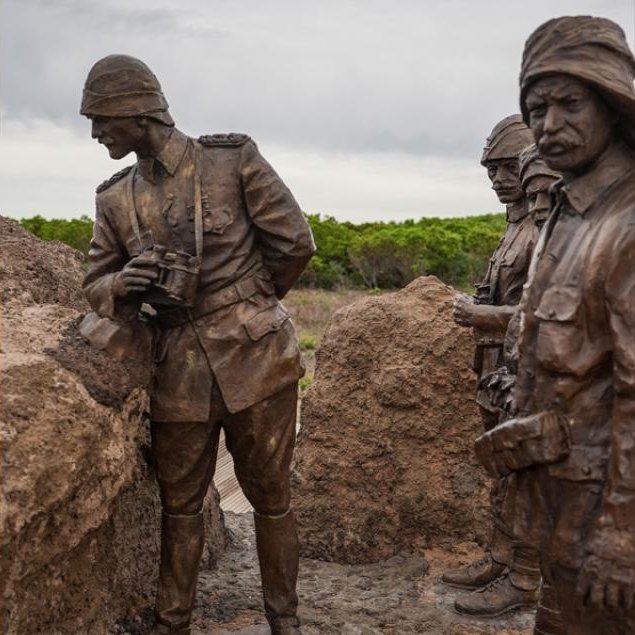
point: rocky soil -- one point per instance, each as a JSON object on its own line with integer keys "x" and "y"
{"x": 79, "y": 506}
{"x": 398, "y": 596}
{"x": 385, "y": 459}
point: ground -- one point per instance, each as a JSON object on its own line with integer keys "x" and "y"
{"x": 400, "y": 596}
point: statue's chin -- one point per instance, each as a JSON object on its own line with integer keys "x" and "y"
{"x": 116, "y": 152}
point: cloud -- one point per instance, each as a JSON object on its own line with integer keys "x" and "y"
{"x": 52, "y": 170}
{"x": 410, "y": 78}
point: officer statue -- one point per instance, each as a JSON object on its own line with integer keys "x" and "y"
{"x": 572, "y": 437}
{"x": 206, "y": 233}
{"x": 509, "y": 575}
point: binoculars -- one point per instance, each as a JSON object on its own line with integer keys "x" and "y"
{"x": 178, "y": 278}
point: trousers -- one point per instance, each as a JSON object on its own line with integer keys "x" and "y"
{"x": 261, "y": 440}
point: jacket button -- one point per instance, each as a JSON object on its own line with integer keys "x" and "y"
{"x": 552, "y": 313}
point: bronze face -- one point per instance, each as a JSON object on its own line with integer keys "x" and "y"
{"x": 120, "y": 135}
{"x": 571, "y": 123}
{"x": 538, "y": 199}
{"x": 503, "y": 173}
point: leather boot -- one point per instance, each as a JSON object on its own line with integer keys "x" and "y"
{"x": 182, "y": 540}
{"x": 518, "y": 587}
{"x": 278, "y": 554}
{"x": 474, "y": 575}
{"x": 548, "y": 619}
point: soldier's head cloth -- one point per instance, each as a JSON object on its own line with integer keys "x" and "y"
{"x": 507, "y": 139}
{"x": 123, "y": 86}
{"x": 531, "y": 164}
{"x": 591, "y": 49}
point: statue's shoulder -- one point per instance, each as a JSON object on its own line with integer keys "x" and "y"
{"x": 117, "y": 176}
{"x": 230, "y": 139}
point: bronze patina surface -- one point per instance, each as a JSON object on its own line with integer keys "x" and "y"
{"x": 572, "y": 438}
{"x": 508, "y": 577}
{"x": 205, "y": 232}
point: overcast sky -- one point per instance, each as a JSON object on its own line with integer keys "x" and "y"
{"x": 368, "y": 109}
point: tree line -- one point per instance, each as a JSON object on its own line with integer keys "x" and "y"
{"x": 378, "y": 255}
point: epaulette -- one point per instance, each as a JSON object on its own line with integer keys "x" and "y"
{"x": 229, "y": 139}
{"x": 113, "y": 179}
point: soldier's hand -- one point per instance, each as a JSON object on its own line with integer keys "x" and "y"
{"x": 606, "y": 584}
{"x": 135, "y": 277}
{"x": 463, "y": 309}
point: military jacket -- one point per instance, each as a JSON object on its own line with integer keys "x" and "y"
{"x": 577, "y": 338}
{"x": 503, "y": 284}
{"x": 255, "y": 242}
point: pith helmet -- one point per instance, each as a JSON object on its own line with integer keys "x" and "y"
{"x": 123, "y": 86}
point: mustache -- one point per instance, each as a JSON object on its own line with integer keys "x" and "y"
{"x": 561, "y": 143}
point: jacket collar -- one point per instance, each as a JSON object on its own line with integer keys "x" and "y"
{"x": 168, "y": 159}
{"x": 581, "y": 192}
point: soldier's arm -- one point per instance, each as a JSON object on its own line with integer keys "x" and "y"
{"x": 607, "y": 577}
{"x": 284, "y": 234}
{"x": 489, "y": 321}
{"x": 618, "y": 509}
{"x": 106, "y": 260}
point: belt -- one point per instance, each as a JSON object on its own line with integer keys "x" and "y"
{"x": 214, "y": 301}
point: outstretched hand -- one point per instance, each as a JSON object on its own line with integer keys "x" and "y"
{"x": 135, "y": 277}
{"x": 463, "y": 309}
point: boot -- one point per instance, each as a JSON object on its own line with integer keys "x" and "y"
{"x": 278, "y": 554}
{"x": 517, "y": 588}
{"x": 182, "y": 540}
{"x": 474, "y": 575}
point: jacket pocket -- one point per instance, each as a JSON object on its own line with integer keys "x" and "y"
{"x": 559, "y": 333}
{"x": 268, "y": 321}
{"x": 217, "y": 219}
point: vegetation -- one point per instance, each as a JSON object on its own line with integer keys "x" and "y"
{"x": 382, "y": 255}
{"x": 75, "y": 232}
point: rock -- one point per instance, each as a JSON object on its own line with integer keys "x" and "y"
{"x": 80, "y": 510}
{"x": 385, "y": 459}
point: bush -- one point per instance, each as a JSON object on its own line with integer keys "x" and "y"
{"x": 372, "y": 255}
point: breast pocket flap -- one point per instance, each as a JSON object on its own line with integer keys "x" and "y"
{"x": 559, "y": 304}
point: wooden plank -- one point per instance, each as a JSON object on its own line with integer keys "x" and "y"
{"x": 232, "y": 498}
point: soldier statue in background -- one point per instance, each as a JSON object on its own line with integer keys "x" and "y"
{"x": 573, "y": 436}
{"x": 537, "y": 178}
{"x": 206, "y": 233}
{"x": 509, "y": 575}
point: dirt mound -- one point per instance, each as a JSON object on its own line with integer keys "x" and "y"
{"x": 36, "y": 271}
{"x": 385, "y": 454}
{"x": 80, "y": 511}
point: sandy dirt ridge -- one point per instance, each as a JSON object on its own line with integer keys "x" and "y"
{"x": 78, "y": 504}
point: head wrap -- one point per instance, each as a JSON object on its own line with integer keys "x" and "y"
{"x": 123, "y": 86}
{"x": 591, "y": 49}
{"x": 531, "y": 164}
{"x": 507, "y": 139}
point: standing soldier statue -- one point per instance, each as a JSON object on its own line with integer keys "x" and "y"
{"x": 573, "y": 438}
{"x": 206, "y": 233}
{"x": 509, "y": 575}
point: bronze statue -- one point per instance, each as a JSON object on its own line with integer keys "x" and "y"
{"x": 206, "y": 233}
{"x": 509, "y": 575}
{"x": 573, "y": 436}
{"x": 495, "y": 388}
